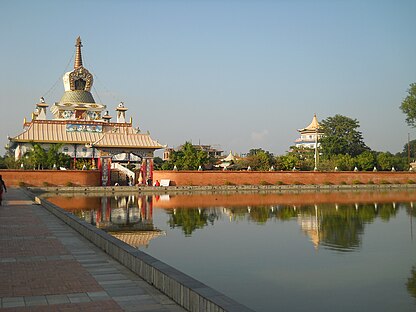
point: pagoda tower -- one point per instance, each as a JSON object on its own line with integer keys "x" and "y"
{"x": 77, "y": 102}
{"x": 310, "y": 135}
{"x": 84, "y": 129}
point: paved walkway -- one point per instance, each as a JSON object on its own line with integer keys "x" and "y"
{"x": 46, "y": 266}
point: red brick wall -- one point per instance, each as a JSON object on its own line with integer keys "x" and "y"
{"x": 51, "y": 177}
{"x": 279, "y": 177}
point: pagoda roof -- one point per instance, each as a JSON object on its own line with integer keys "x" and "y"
{"x": 313, "y": 126}
{"x": 230, "y": 157}
{"x": 100, "y": 134}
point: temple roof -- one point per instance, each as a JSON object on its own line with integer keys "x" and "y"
{"x": 96, "y": 133}
{"x": 230, "y": 157}
{"x": 313, "y": 126}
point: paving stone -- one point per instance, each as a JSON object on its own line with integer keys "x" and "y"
{"x": 35, "y": 300}
{"x": 80, "y": 297}
{"x": 57, "y": 299}
{"x": 99, "y": 295}
{"x": 11, "y": 302}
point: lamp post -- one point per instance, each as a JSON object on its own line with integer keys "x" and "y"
{"x": 316, "y": 149}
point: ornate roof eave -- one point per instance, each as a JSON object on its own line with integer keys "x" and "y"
{"x": 84, "y": 142}
{"x": 54, "y": 131}
{"x": 313, "y": 126}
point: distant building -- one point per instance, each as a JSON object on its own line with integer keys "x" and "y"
{"x": 84, "y": 127}
{"x": 227, "y": 162}
{"x": 167, "y": 152}
{"x": 310, "y": 135}
{"x": 209, "y": 149}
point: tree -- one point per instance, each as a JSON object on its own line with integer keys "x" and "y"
{"x": 386, "y": 160}
{"x": 187, "y": 158}
{"x": 411, "y": 149}
{"x": 366, "y": 161}
{"x": 40, "y": 158}
{"x": 288, "y": 162}
{"x": 157, "y": 163}
{"x": 343, "y": 162}
{"x": 305, "y": 156}
{"x": 341, "y": 136}
{"x": 3, "y": 163}
{"x": 56, "y": 158}
{"x": 258, "y": 159}
{"x": 408, "y": 105}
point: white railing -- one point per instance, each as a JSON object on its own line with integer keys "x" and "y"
{"x": 117, "y": 166}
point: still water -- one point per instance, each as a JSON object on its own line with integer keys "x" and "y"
{"x": 276, "y": 252}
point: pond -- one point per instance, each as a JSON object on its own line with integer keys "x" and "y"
{"x": 313, "y": 251}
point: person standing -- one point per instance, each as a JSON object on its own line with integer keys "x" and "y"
{"x": 2, "y": 187}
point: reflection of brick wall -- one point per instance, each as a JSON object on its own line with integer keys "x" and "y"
{"x": 279, "y": 177}
{"x": 284, "y": 198}
{"x": 51, "y": 177}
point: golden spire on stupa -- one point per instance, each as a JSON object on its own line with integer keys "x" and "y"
{"x": 78, "y": 56}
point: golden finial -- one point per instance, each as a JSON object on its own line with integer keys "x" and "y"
{"x": 78, "y": 57}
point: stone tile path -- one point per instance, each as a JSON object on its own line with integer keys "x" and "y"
{"x": 46, "y": 266}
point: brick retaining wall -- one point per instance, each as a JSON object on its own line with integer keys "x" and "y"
{"x": 51, "y": 177}
{"x": 283, "y": 177}
{"x": 200, "y": 178}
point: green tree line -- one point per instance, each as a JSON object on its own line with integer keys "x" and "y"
{"x": 341, "y": 147}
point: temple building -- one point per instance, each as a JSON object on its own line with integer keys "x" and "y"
{"x": 310, "y": 135}
{"x": 84, "y": 127}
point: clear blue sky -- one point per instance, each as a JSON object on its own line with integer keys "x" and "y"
{"x": 241, "y": 74}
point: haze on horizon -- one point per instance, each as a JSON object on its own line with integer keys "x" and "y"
{"x": 234, "y": 74}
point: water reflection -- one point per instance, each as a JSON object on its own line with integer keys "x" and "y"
{"x": 337, "y": 227}
{"x": 129, "y": 218}
{"x": 191, "y": 219}
{"x": 411, "y": 282}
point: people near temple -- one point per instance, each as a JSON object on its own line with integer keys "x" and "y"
{"x": 2, "y": 187}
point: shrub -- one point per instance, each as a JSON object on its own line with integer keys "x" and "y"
{"x": 297, "y": 183}
{"x": 384, "y": 182}
{"x": 228, "y": 183}
{"x": 357, "y": 182}
{"x": 410, "y": 182}
{"x": 370, "y": 182}
{"x": 22, "y": 184}
{"x": 328, "y": 183}
{"x": 280, "y": 183}
{"x": 343, "y": 183}
{"x": 45, "y": 183}
{"x": 69, "y": 184}
{"x": 265, "y": 183}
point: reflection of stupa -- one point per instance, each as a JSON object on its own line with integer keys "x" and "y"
{"x": 138, "y": 238}
{"x": 131, "y": 221}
